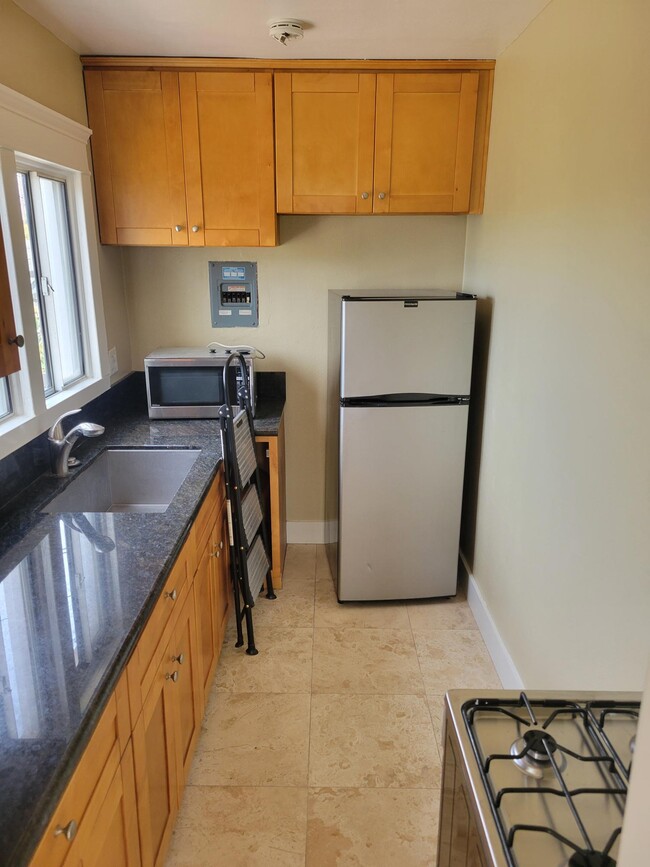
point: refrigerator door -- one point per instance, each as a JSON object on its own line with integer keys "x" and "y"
{"x": 401, "y": 485}
{"x": 391, "y": 347}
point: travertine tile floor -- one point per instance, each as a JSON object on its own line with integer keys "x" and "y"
{"x": 325, "y": 749}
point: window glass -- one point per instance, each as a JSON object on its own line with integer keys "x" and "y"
{"x": 5, "y": 398}
{"x": 46, "y": 221}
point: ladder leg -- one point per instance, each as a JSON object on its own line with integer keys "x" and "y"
{"x": 238, "y": 615}
{"x": 251, "y": 650}
{"x": 270, "y": 593}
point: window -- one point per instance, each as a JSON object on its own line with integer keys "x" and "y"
{"x": 5, "y": 398}
{"x": 46, "y": 221}
{"x": 50, "y": 244}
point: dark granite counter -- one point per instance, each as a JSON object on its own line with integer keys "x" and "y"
{"x": 75, "y": 593}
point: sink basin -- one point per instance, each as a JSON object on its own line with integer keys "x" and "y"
{"x": 127, "y": 480}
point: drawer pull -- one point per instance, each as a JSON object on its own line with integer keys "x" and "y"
{"x": 171, "y": 594}
{"x": 180, "y": 659}
{"x": 68, "y": 831}
{"x": 173, "y": 676}
{"x": 178, "y": 228}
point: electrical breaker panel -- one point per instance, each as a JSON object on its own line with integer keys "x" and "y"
{"x": 233, "y": 294}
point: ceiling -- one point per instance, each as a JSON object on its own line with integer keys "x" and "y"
{"x": 337, "y": 28}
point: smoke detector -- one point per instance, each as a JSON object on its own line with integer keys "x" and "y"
{"x": 286, "y": 30}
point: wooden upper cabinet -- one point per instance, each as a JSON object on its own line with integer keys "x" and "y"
{"x": 138, "y": 156}
{"x": 424, "y": 142}
{"x": 324, "y": 125}
{"x": 384, "y": 143}
{"x": 183, "y": 159}
{"x": 9, "y": 360}
{"x": 228, "y": 148}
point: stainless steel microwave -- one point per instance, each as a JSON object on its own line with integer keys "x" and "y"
{"x": 185, "y": 382}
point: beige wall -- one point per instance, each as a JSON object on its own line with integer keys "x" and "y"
{"x": 560, "y": 550}
{"x": 167, "y": 292}
{"x": 37, "y": 64}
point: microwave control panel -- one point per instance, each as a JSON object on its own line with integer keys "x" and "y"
{"x": 233, "y": 294}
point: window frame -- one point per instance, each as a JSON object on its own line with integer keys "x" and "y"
{"x": 35, "y": 137}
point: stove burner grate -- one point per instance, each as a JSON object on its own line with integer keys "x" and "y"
{"x": 537, "y": 752}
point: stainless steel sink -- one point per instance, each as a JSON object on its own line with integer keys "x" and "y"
{"x": 127, "y": 480}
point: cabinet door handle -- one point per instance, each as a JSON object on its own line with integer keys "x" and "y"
{"x": 221, "y": 544}
{"x": 180, "y": 659}
{"x": 364, "y": 195}
{"x": 216, "y": 554}
{"x": 68, "y": 831}
{"x": 171, "y": 594}
{"x": 18, "y": 340}
{"x": 173, "y": 676}
{"x": 381, "y": 196}
{"x": 195, "y": 229}
{"x": 178, "y": 228}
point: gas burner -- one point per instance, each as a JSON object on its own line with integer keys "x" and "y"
{"x": 531, "y": 754}
{"x": 591, "y": 859}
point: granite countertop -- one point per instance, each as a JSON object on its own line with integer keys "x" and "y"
{"x": 76, "y": 590}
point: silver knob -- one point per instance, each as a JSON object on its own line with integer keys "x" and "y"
{"x": 381, "y": 196}
{"x": 19, "y": 340}
{"x": 216, "y": 554}
{"x": 195, "y": 228}
{"x": 68, "y": 831}
{"x": 221, "y": 544}
{"x": 364, "y": 195}
{"x": 173, "y": 676}
{"x": 173, "y": 595}
{"x": 180, "y": 659}
{"x": 178, "y": 228}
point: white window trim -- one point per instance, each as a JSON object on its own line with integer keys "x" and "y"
{"x": 28, "y": 128}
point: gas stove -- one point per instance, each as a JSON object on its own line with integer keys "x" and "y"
{"x": 545, "y": 775}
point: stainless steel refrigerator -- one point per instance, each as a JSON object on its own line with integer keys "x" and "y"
{"x": 399, "y": 372}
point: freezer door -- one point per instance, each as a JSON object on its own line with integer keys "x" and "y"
{"x": 390, "y": 347}
{"x": 401, "y": 484}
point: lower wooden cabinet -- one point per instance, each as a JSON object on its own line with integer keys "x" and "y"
{"x": 165, "y": 733}
{"x": 121, "y": 803}
{"x": 110, "y": 835}
{"x": 81, "y": 803}
{"x": 213, "y": 596}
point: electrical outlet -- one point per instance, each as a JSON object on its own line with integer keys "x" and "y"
{"x": 112, "y": 361}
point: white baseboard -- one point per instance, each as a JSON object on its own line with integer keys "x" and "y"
{"x": 503, "y": 662}
{"x": 306, "y": 532}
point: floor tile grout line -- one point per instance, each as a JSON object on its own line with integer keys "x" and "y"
{"x": 309, "y": 786}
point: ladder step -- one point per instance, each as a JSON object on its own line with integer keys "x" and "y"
{"x": 251, "y": 513}
{"x": 257, "y": 564}
{"x": 244, "y": 447}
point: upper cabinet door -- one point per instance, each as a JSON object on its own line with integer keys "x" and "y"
{"x": 228, "y": 148}
{"x": 325, "y": 127}
{"x": 138, "y": 157}
{"x": 424, "y": 142}
{"x": 9, "y": 360}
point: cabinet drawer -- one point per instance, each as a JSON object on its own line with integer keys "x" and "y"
{"x": 205, "y": 519}
{"x": 142, "y": 666}
{"x": 99, "y": 763}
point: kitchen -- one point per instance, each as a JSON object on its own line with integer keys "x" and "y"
{"x": 556, "y": 493}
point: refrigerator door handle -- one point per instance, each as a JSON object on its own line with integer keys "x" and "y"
{"x": 415, "y": 399}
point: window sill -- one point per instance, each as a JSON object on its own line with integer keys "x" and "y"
{"x": 18, "y": 430}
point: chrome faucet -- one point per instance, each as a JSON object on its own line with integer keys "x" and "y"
{"x": 61, "y": 444}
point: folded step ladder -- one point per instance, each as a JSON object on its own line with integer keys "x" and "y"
{"x": 249, "y": 562}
